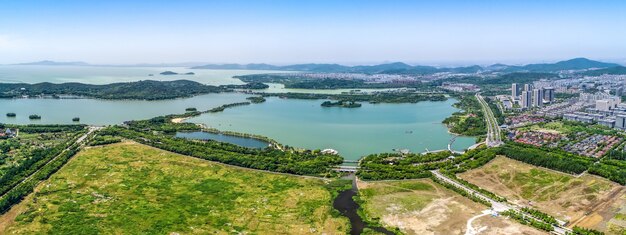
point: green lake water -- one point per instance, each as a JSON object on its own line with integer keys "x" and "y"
{"x": 373, "y": 128}
{"x": 105, "y": 112}
{"x": 105, "y": 75}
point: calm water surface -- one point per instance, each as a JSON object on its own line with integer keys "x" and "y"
{"x": 105, "y": 75}
{"x": 105, "y": 112}
{"x": 373, "y": 128}
{"x": 237, "y": 140}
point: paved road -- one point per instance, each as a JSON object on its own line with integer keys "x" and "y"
{"x": 78, "y": 141}
{"x": 495, "y": 205}
{"x": 494, "y": 137}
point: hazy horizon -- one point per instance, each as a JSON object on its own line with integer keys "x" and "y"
{"x": 443, "y": 33}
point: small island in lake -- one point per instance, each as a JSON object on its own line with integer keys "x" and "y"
{"x": 256, "y": 99}
{"x": 76, "y": 119}
{"x": 34, "y": 117}
{"x": 191, "y": 109}
{"x": 175, "y": 73}
{"x": 341, "y": 103}
{"x": 11, "y": 115}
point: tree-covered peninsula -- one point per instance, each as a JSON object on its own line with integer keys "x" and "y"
{"x": 142, "y": 90}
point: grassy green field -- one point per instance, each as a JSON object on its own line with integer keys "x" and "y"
{"x": 129, "y": 188}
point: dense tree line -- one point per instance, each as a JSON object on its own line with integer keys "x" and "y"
{"x": 552, "y": 159}
{"x": 162, "y": 124}
{"x": 18, "y": 193}
{"x": 37, "y": 158}
{"x": 585, "y": 231}
{"x": 540, "y": 215}
{"x": 223, "y": 107}
{"x": 521, "y": 218}
{"x": 461, "y": 191}
{"x": 293, "y": 162}
{"x": 144, "y": 90}
{"x": 104, "y": 140}
{"x": 383, "y": 97}
{"x": 471, "y": 159}
{"x": 341, "y": 103}
{"x": 256, "y": 99}
{"x": 52, "y": 128}
{"x": 248, "y": 86}
{"x": 470, "y": 121}
{"x": 299, "y": 82}
{"x": 497, "y": 113}
{"x": 386, "y": 166}
{"x": 612, "y": 169}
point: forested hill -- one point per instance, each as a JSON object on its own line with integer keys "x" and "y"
{"x": 144, "y": 90}
{"x": 402, "y": 68}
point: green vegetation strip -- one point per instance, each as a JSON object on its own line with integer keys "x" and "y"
{"x": 21, "y": 190}
{"x": 158, "y": 132}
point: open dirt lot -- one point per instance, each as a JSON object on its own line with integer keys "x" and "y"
{"x": 424, "y": 207}
{"x": 587, "y": 201}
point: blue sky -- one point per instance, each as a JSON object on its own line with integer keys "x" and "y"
{"x": 282, "y": 32}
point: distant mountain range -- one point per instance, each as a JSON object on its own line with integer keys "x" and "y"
{"x": 54, "y": 63}
{"x": 402, "y": 68}
{"x": 389, "y": 68}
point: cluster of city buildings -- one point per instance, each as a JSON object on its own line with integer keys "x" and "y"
{"x": 535, "y": 138}
{"x": 601, "y": 108}
{"x": 593, "y": 146}
{"x": 372, "y": 78}
{"x": 459, "y": 87}
{"x": 529, "y": 96}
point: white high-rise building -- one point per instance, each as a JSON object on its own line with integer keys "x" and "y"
{"x": 548, "y": 94}
{"x": 620, "y": 122}
{"x": 528, "y": 87}
{"x": 537, "y": 97}
{"x": 525, "y": 99}
{"x": 603, "y": 105}
{"x": 514, "y": 91}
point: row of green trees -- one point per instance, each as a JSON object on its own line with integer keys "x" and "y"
{"x": 461, "y": 191}
{"x": 223, "y": 107}
{"x": 400, "y": 97}
{"x": 540, "y": 215}
{"x": 612, "y": 169}
{"x": 49, "y": 128}
{"x": 526, "y": 220}
{"x": 37, "y": 158}
{"x": 553, "y": 159}
{"x": 585, "y": 231}
{"x": 104, "y": 140}
{"x": 18, "y": 193}
{"x": 293, "y": 162}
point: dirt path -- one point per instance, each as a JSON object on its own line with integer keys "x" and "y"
{"x": 473, "y": 231}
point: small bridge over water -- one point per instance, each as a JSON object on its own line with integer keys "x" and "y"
{"x": 346, "y": 168}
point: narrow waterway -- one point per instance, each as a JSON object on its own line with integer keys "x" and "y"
{"x": 345, "y": 204}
